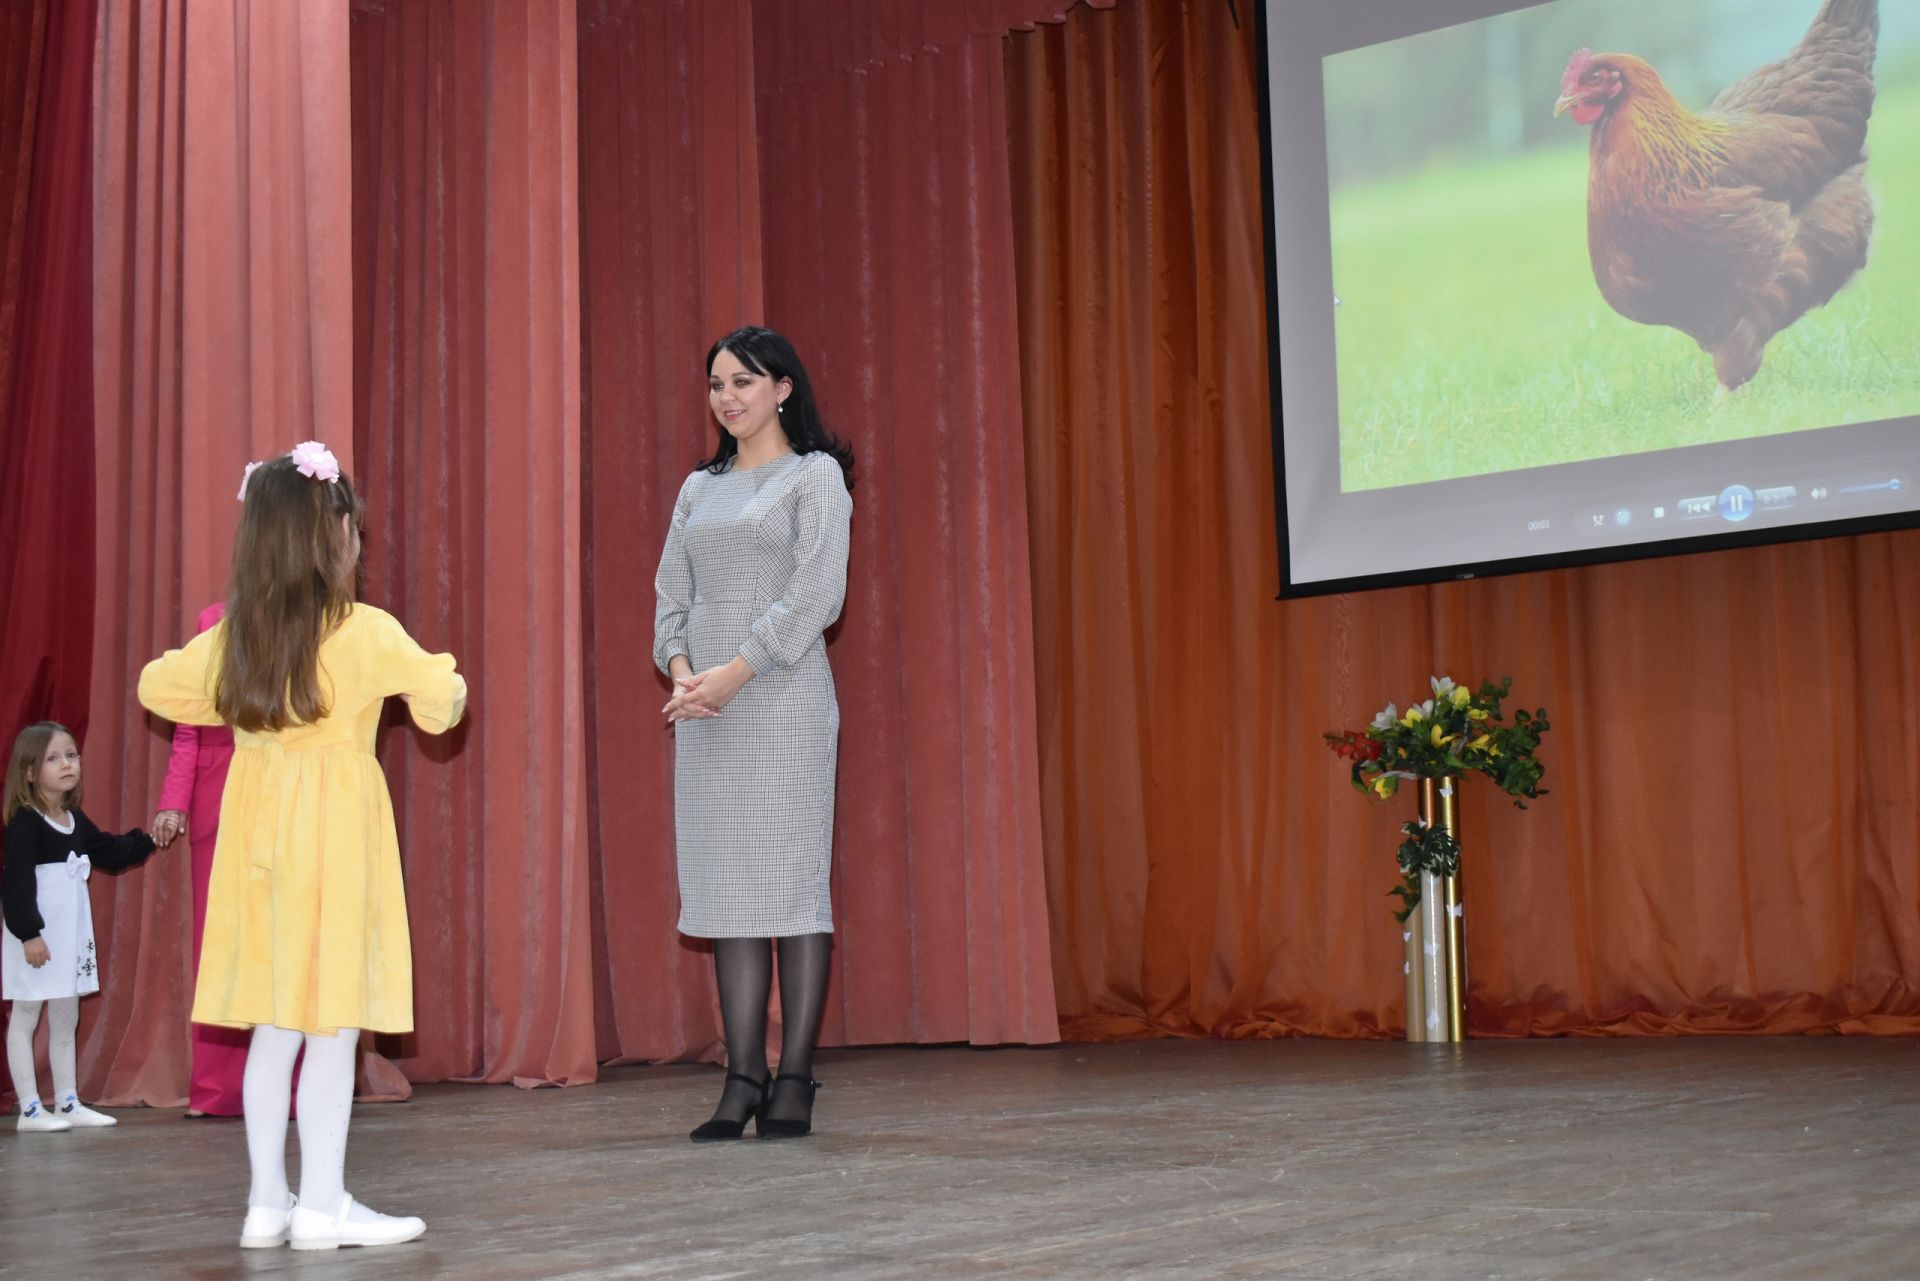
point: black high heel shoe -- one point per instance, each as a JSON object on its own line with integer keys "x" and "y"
{"x": 718, "y": 1129}
{"x": 779, "y": 1127}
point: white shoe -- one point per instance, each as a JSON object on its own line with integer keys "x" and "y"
{"x": 265, "y": 1227}
{"x": 82, "y": 1117}
{"x": 37, "y": 1119}
{"x": 351, "y": 1225}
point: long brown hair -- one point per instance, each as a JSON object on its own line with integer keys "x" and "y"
{"x": 293, "y": 581}
{"x": 28, "y": 749}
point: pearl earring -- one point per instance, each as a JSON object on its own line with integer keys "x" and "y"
{"x": 782, "y": 406}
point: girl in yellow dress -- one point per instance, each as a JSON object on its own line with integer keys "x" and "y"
{"x": 306, "y": 936}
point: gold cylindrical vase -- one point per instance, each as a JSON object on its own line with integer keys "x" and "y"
{"x": 1443, "y": 913}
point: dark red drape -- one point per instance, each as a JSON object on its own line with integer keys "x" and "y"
{"x": 694, "y": 192}
{"x": 888, "y": 252}
{"x": 670, "y": 258}
{"x": 46, "y": 363}
{"x": 467, "y": 416}
{"x": 46, "y": 366}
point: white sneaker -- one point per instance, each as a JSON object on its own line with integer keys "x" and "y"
{"x": 351, "y": 1225}
{"x": 82, "y": 1117}
{"x": 265, "y": 1227}
{"x": 36, "y": 1119}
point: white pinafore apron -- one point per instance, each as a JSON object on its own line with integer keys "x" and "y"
{"x": 66, "y": 915}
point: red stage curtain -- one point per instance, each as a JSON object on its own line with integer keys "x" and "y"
{"x": 222, "y": 331}
{"x": 1729, "y": 843}
{"x": 530, "y": 297}
{"x": 888, "y": 245}
{"x": 467, "y": 412}
{"x": 23, "y": 51}
{"x": 670, "y": 259}
{"x": 266, "y": 305}
{"x": 46, "y": 354}
{"x": 677, "y": 174}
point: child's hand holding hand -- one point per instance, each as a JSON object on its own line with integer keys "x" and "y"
{"x": 168, "y": 824}
{"x": 37, "y": 954}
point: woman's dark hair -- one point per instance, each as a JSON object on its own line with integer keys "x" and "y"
{"x": 765, "y": 352}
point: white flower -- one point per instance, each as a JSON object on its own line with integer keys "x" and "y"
{"x": 315, "y": 460}
{"x": 1442, "y": 686}
{"x": 1386, "y": 716}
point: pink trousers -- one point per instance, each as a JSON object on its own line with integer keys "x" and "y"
{"x": 219, "y": 1053}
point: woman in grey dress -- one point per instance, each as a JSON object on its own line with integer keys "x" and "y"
{"x": 754, "y": 570}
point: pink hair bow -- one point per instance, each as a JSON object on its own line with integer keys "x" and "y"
{"x": 315, "y": 460}
{"x": 251, "y": 468}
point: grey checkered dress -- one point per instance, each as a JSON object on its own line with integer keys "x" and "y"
{"x": 756, "y": 566}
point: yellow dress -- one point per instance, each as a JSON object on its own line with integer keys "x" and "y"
{"x": 307, "y": 912}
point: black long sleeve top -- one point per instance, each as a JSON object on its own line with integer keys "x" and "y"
{"x": 32, "y": 841}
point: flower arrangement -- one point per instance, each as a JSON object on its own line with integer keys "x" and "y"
{"x": 1455, "y": 732}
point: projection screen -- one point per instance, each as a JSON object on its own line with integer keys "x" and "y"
{"x": 1576, "y": 281}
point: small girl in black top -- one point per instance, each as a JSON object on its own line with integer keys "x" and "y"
{"x": 47, "y": 955}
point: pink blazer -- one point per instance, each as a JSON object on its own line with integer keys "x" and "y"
{"x": 198, "y": 750}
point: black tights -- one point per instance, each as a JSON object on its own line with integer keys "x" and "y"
{"x": 743, "y": 970}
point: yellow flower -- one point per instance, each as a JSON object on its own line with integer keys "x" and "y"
{"x": 1460, "y": 696}
{"x": 1482, "y": 741}
{"x": 1478, "y": 714}
{"x": 1412, "y": 718}
{"x": 1438, "y": 739}
{"x": 1384, "y": 786}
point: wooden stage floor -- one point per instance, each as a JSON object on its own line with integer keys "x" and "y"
{"x": 1615, "y": 1160}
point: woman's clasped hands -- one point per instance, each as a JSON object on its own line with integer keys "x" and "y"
{"x": 701, "y": 695}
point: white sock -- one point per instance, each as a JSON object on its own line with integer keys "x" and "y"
{"x": 326, "y": 1109}
{"x": 26, "y": 1017}
{"x": 63, "y": 1023}
{"x": 265, "y": 1093}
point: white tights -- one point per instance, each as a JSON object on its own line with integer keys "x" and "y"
{"x": 326, "y": 1106}
{"x": 63, "y": 1018}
